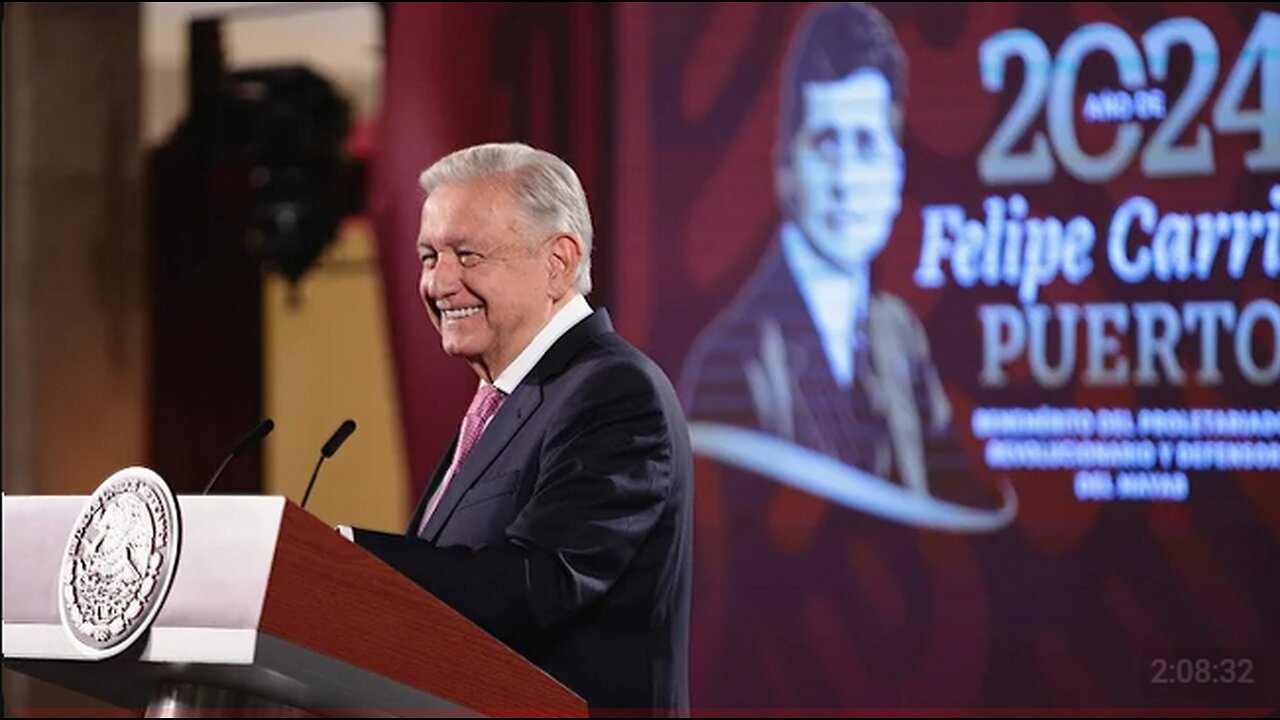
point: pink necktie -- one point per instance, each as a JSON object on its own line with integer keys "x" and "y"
{"x": 483, "y": 406}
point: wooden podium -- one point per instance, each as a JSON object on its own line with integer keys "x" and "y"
{"x": 269, "y": 608}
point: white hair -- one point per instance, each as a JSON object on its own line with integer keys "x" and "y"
{"x": 544, "y": 185}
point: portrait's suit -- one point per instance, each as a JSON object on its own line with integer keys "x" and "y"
{"x": 566, "y": 532}
{"x": 761, "y": 365}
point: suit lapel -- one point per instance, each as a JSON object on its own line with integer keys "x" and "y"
{"x": 511, "y": 416}
{"x": 441, "y": 466}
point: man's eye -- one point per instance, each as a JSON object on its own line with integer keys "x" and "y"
{"x": 871, "y": 146}
{"x": 466, "y": 258}
{"x": 428, "y": 259}
{"x": 824, "y": 143}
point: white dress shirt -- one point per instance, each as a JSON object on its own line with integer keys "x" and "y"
{"x": 834, "y": 299}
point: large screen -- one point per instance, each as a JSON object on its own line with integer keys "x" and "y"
{"x": 974, "y": 312}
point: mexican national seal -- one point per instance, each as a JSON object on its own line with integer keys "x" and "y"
{"x": 119, "y": 562}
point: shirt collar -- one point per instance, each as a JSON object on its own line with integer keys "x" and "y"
{"x": 574, "y": 312}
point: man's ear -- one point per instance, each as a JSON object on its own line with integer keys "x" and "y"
{"x": 562, "y": 263}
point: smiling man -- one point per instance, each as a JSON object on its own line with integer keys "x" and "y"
{"x": 560, "y": 519}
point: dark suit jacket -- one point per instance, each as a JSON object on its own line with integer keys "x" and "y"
{"x": 567, "y": 531}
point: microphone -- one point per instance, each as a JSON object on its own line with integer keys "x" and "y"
{"x": 335, "y": 441}
{"x": 264, "y": 428}
{"x": 339, "y": 436}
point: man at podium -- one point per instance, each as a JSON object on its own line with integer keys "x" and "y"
{"x": 560, "y": 519}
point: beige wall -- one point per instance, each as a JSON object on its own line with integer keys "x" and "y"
{"x": 327, "y": 358}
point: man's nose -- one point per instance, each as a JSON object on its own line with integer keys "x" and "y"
{"x": 845, "y": 175}
{"x": 445, "y": 277}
